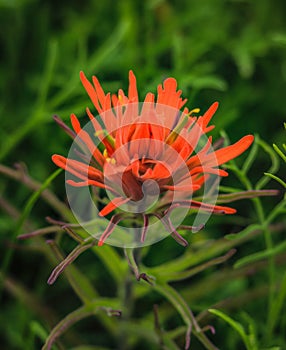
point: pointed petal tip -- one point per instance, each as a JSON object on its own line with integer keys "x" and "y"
{"x": 209, "y": 114}
{"x": 131, "y": 73}
{"x": 229, "y": 211}
{"x": 246, "y": 141}
{"x": 223, "y": 155}
{"x": 224, "y": 210}
{"x": 83, "y": 78}
{"x": 214, "y": 107}
{"x": 250, "y": 138}
{"x": 73, "y": 117}
{"x": 75, "y": 123}
{"x": 58, "y": 159}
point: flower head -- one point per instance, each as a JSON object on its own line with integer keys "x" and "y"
{"x": 150, "y": 158}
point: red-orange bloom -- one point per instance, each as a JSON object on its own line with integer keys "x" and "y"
{"x": 141, "y": 151}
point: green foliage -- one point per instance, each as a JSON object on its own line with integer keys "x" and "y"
{"x": 231, "y": 51}
{"x": 249, "y": 340}
{"x": 282, "y": 154}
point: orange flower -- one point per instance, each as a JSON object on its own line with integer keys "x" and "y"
{"x": 147, "y": 156}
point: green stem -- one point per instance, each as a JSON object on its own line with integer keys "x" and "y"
{"x": 75, "y": 316}
{"x": 181, "y": 306}
{"x": 127, "y": 299}
{"x": 267, "y": 238}
{"x": 271, "y": 259}
{"x": 177, "y": 301}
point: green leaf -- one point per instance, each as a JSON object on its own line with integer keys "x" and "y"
{"x": 182, "y": 307}
{"x": 274, "y": 163}
{"x": 38, "y": 330}
{"x": 178, "y": 276}
{"x": 26, "y": 212}
{"x": 236, "y": 326}
{"x": 276, "y": 178}
{"x": 278, "y": 151}
{"x": 251, "y": 157}
{"x": 279, "y": 38}
{"x": 277, "y": 306}
{"x": 76, "y": 316}
{"x": 209, "y": 82}
{"x": 260, "y": 255}
{"x": 231, "y": 197}
{"x": 248, "y": 230}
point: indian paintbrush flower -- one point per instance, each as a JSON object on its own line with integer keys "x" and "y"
{"x": 150, "y": 158}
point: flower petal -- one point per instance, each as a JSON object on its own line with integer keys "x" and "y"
{"x": 79, "y": 169}
{"x": 205, "y": 119}
{"x": 216, "y": 209}
{"x": 225, "y": 154}
{"x": 86, "y": 139}
{"x": 91, "y": 183}
{"x": 115, "y": 203}
{"x": 92, "y": 93}
{"x": 132, "y": 91}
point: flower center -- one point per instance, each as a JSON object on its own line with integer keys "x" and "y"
{"x": 145, "y": 177}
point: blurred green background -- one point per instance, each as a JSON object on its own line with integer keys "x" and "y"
{"x": 233, "y": 52}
